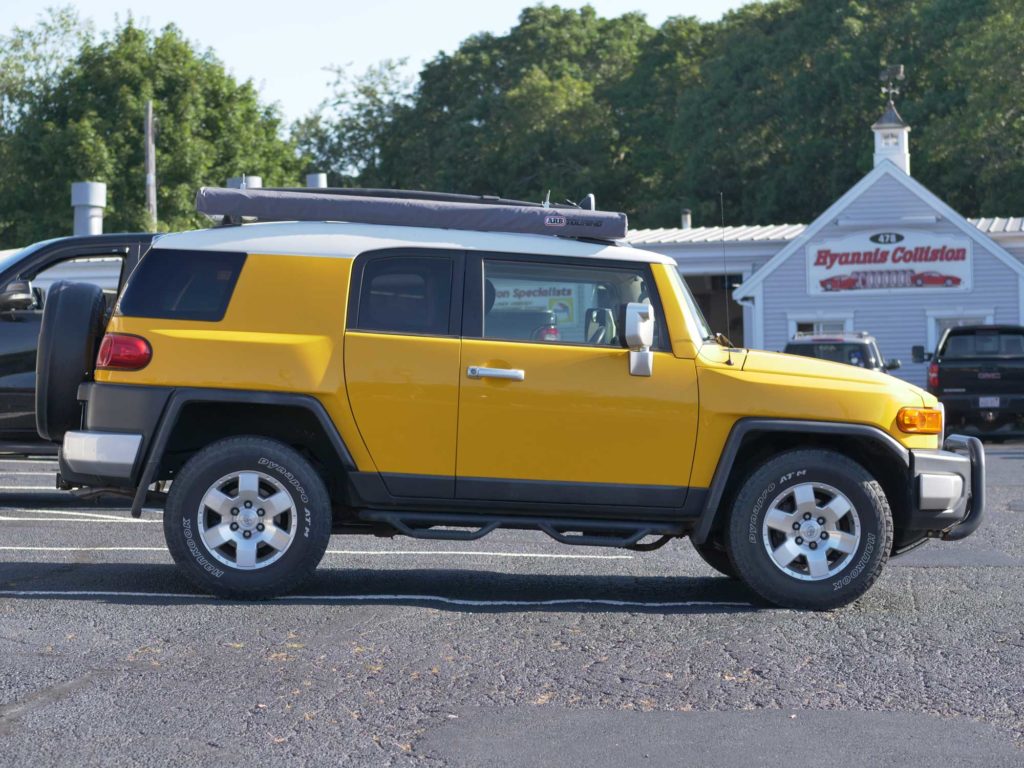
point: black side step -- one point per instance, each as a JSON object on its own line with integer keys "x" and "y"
{"x": 471, "y": 526}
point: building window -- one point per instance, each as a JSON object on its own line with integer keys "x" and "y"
{"x": 940, "y": 320}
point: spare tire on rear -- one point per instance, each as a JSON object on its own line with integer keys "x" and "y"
{"x": 73, "y": 323}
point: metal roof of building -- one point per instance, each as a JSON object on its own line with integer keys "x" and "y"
{"x": 781, "y": 233}
{"x": 999, "y": 225}
{"x": 755, "y": 233}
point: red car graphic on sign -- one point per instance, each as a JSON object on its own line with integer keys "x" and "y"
{"x": 839, "y": 283}
{"x": 922, "y": 279}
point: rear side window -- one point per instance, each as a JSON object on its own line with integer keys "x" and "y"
{"x": 406, "y": 294}
{"x": 182, "y": 285}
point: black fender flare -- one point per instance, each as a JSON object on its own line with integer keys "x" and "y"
{"x": 745, "y": 427}
{"x": 179, "y": 398}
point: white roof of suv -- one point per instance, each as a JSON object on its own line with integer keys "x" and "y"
{"x": 344, "y": 240}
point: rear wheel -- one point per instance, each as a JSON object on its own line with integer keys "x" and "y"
{"x": 247, "y": 517}
{"x": 810, "y": 529}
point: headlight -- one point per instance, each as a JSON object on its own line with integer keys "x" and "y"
{"x": 920, "y": 421}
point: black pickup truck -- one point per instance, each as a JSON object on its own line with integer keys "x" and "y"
{"x": 977, "y": 372}
{"x": 25, "y": 278}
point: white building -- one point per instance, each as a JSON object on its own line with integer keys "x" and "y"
{"x": 888, "y": 257}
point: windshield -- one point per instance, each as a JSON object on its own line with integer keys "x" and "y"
{"x": 965, "y": 346}
{"x": 703, "y": 330}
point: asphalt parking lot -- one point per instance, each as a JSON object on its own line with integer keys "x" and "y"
{"x": 508, "y": 651}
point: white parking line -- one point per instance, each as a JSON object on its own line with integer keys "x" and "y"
{"x": 469, "y": 552}
{"x": 434, "y": 552}
{"x": 395, "y": 598}
{"x": 107, "y": 521}
{"x": 83, "y": 549}
{"x": 7, "y": 473}
{"x": 107, "y": 516}
{"x": 28, "y": 488}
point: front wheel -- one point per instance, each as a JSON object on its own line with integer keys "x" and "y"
{"x": 248, "y": 518}
{"x": 810, "y": 529}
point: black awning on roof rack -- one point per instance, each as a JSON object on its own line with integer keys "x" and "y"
{"x": 481, "y": 216}
{"x": 416, "y": 194}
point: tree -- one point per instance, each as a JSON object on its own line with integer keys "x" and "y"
{"x": 972, "y": 150}
{"x": 88, "y": 125}
{"x": 343, "y": 136}
{"x": 770, "y": 106}
{"x": 520, "y": 114}
{"x": 32, "y": 58}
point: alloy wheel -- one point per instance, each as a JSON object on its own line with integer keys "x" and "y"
{"x": 811, "y": 531}
{"x": 247, "y": 520}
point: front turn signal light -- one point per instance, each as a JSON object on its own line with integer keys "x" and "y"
{"x": 920, "y": 421}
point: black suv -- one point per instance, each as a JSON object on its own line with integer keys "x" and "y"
{"x": 858, "y": 349}
{"x": 25, "y": 277}
{"x": 977, "y": 372}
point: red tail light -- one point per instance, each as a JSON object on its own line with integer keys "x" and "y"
{"x": 121, "y": 352}
{"x": 933, "y": 375}
{"x": 550, "y": 334}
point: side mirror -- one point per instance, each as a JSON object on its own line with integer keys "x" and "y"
{"x": 639, "y": 337}
{"x": 919, "y": 355}
{"x": 893, "y": 364}
{"x": 17, "y": 295}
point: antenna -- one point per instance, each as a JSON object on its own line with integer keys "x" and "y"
{"x": 725, "y": 281}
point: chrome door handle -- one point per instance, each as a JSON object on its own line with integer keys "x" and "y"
{"x": 479, "y": 372}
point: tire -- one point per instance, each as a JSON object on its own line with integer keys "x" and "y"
{"x": 849, "y": 550}
{"x": 69, "y": 336}
{"x": 228, "y": 484}
{"x": 716, "y": 556}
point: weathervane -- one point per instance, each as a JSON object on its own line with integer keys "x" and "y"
{"x": 894, "y": 72}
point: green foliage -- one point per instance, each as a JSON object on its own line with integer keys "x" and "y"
{"x": 342, "y": 137}
{"x": 771, "y": 106}
{"x": 520, "y": 114}
{"x": 86, "y": 123}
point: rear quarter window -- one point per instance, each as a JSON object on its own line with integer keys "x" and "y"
{"x": 182, "y": 285}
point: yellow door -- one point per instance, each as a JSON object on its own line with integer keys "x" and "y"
{"x": 402, "y": 367}
{"x": 548, "y": 411}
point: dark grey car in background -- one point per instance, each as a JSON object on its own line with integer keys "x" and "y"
{"x": 25, "y": 277}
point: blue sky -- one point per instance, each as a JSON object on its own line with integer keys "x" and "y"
{"x": 284, "y": 47}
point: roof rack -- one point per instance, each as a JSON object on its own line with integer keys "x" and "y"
{"x": 831, "y": 335}
{"x": 409, "y": 209}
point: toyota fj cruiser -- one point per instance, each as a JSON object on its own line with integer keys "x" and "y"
{"x": 335, "y": 368}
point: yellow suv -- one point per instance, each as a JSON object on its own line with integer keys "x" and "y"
{"x": 441, "y": 366}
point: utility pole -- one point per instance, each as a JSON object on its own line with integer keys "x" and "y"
{"x": 150, "y": 168}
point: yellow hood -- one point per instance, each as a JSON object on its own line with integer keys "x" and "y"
{"x": 758, "y": 361}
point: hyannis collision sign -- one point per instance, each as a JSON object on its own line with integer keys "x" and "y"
{"x": 889, "y": 260}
